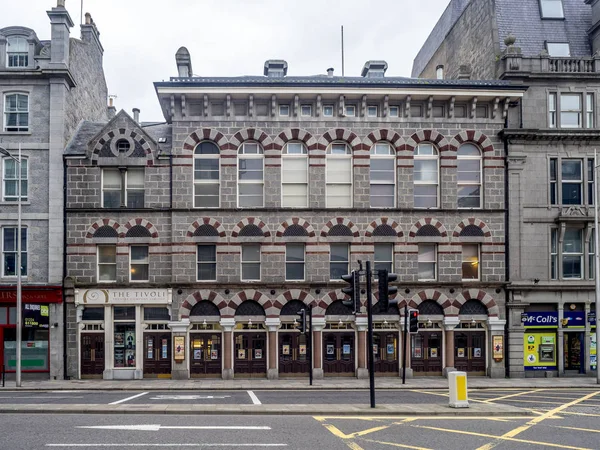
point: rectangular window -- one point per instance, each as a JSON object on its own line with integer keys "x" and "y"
{"x": 306, "y": 110}
{"x": 111, "y": 188}
{"x": 590, "y": 182}
{"x": 327, "y": 110}
{"x": 428, "y": 262}
{"x": 558, "y": 49}
{"x": 350, "y": 111}
{"x": 591, "y": 257}
{"x": 589, "y": 111}
{"x": 570, "y": 111}
{"x": 11, "y": 180}
{"x": 571, "y": 181}
{"x": 9, "y": 251}
{"x": 554, "y": 254}
{"x": 294, "y": 176}
{"x": 135, "y": 188}
{"x": 139, "y": 265}
{"x": 394, "y": 111}
{"x": 294, "y": 262}
{"x": 382, "y": 176}
{"x": 251, "y": 262}
{"x": 107, "y": 263}
{"x": 552, "y": 110}
{"x": 553, "y": 182}
{"x": 572, "y": 253}
{"x": 470, "y": 262}
{"x": 284, "y": 110}
{"x": 384, "y": 258}
{"x": 372, "y": 111}
{"x": 552, "y": 9}
{"x": 339, "y": 180}
{"x": 339, "y": 260}
{"x": 207, "y": 263}
{"x": 124, "y": 342}
{"x": 17, "y": 51}
{"x": 113, "y": 194}
{"x": 16, "y": 112}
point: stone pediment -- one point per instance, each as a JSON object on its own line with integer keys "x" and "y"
{"x": 576, "y": 213}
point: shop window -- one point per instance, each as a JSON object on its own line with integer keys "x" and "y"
{"x": 124, "y": 337}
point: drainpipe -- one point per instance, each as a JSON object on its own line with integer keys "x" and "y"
{"x": 507, "y": 247}
{"x": 64, "y": 275}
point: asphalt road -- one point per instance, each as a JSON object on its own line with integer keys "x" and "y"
{"x": 564, "y": 418}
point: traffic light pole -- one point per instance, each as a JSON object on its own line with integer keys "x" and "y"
{"x": 370, "y": 336}
{"x": 404, "y": 350}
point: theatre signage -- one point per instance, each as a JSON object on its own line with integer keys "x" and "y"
{"x": 123, "y": 296}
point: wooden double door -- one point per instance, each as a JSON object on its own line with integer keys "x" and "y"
{"x": 157, "y": 354}
{"x": 250, "y": 354}
{"x": 92, "y": 355}
{"x": 426, "y": 353}
{"x": 469, "y": 351}
{"x": 293, "y": 354}
{"x": 338, "y": 354}
{"x": 385, "y": 353}
{"x": 205, "y": 355}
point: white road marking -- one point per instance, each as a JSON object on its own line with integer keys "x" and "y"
{"x": 127, "y": 399}
{"x": 169, "y": 445}
{"x": 166, "y": 427}
{"x": 254, "y": 398}
{"x": 187, "y": 397}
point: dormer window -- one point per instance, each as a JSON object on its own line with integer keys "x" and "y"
{"x": 552, "y": 9}
{"x": 17, "y": 52}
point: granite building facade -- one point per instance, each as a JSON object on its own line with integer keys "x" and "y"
{"x": 46, "y": 87}
{"x": 192, "y": 246}
{"x": 550, "y": 137}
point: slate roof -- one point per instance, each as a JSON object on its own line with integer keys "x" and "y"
{"x": 324, "y": 80}
{"x": 86, "y": 131}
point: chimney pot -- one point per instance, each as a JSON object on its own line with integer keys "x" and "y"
{"x": 136, "y": 115}
{"x": 374, "y": 69}
{"x": 88, "y": 18}
{"x": 60, "y": 3}
{"x": 330, "y": 72}
{"x": 184, "y": 62}
{"x": 275, "y": 68}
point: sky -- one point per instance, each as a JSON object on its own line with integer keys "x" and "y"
{"x": 236, "y": 37}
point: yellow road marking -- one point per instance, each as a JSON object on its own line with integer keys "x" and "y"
{"x": 413, "y": 418}
{"x": 354, "y": 446}
{"x": 393, "y": 444}
{"x": 579, "y": 414}
{"x": 538, "y": 419}
{"x": 337, "y": 432}
{"x": 533, "y": 401}
{"x": 524, "y": 441}
{"x": 512, "y": 395}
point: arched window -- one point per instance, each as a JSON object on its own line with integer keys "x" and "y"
{"x": 383, "y": 176}
{"x": 206, "y": 175}
{"x": 469, "y": 176}
{"x": 17, "y": 51}
{"x": 251, "y": 173}
{"x": 339, "y": 176}
{"x": 294, "y": 176}
{"x": 426, "y": 176}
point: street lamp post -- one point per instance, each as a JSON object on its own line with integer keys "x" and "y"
{"x": 18, "y": 160}
{"x": 596, "y": 260}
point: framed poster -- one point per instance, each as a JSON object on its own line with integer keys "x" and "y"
{"x": 460, "y": 352}
{"x": 119, "y": 339}
{"x": 390, "y": 349}
{"x": 417, "y": 352}
{"x": 179, "y": 348}
{"x": 433, "y": 352}
{"x": 130, "y": 339}
{"x": 477, "y": 353}
{"x": 285, "y": 349}
{"x": 330, "y": 349}
{"x": 164, "y": 349}
{"x": 214, "y": 354}
{"x": 198, "y": 354}
{"x": 258, "y": 353}
{"x": 303, "y": 349}
{"x": 375, "y": 349}
{"x": 498, "y": 346}
{"x": 346, "y": 349}
{"x": 150, "y": 344}
{"x": 241, "y": 353}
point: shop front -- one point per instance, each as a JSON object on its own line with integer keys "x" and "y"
{"x": 41, "y": 319}
{"x": 124, "y": 333}
{"x": 540, "y": 341}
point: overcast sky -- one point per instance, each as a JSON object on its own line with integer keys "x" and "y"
{"x": 236, "y": 37}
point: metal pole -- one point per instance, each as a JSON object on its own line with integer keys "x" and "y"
{"x": 404, "y": 344}
{"x": 310, "y": 344}
{"x": 596, "y": 260}
{"x": 342, "y": 50}
{"x": 19, "y": 306}
{"x": 370, "y": 336}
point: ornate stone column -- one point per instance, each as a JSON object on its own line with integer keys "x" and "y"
{"x": 317, "y": 346}
{"x": 496, "y": 326}
{"x": 450, "y": 323}
{"x": 272, "y": 325}
{"x": 361, "y": 326}
{"x": 227, "y": 325}
{"x": 180, "y": 369}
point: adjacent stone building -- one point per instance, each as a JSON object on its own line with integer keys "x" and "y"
{"x": 550, "y": 136}
{"x": 46, "y": 88}
{"x": 192, "y": 246}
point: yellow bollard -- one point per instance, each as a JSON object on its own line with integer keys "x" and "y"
{"x": 459, "y": 397}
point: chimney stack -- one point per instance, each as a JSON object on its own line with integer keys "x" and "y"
{"x": 464, "y": 72}
{"x": 275, "y": 68}
{"x": 330, "y": 72}
{"x": 90, "y": 33}
{"x": 184, "y": 62}
{"x": 374, "y": 69}
{"x": 136, "y": 115}
{"x": 60, "y": 24}
{"x": 594, "y": 31}
{"x": 112, "y": 111}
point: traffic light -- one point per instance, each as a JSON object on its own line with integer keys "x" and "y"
{"x": 413, "y": 320}
{"x": 385, "y": 290}
{"x": 353, "y": 291}
{"x": 302, "y": 325}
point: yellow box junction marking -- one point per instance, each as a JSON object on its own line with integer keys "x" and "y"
{"x": 495, "y": 399}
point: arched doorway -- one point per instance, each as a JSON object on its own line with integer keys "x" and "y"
{"x": 292, "y": 343}
{"x": 426, "y": 346}
{"x": 205, "y": 341}
{"x": 385, "y": 340}
{"x": 470, "y": 338}
{"x": 250, "y": 340}
{"x": 339, "y": 341}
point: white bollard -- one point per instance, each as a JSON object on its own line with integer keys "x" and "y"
{"x": 458, "y": 390}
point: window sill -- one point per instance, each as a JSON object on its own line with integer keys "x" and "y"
{"x": 15, "y": 203}
{"x": 15, "y": 133}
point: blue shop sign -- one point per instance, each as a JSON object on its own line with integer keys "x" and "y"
{"x": 548, "y": 319}
{"x": 573, "y": 319}
{"x": 540, "y": 368}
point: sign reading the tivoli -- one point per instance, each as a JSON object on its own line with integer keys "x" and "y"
{"x": 123, "y": 296}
